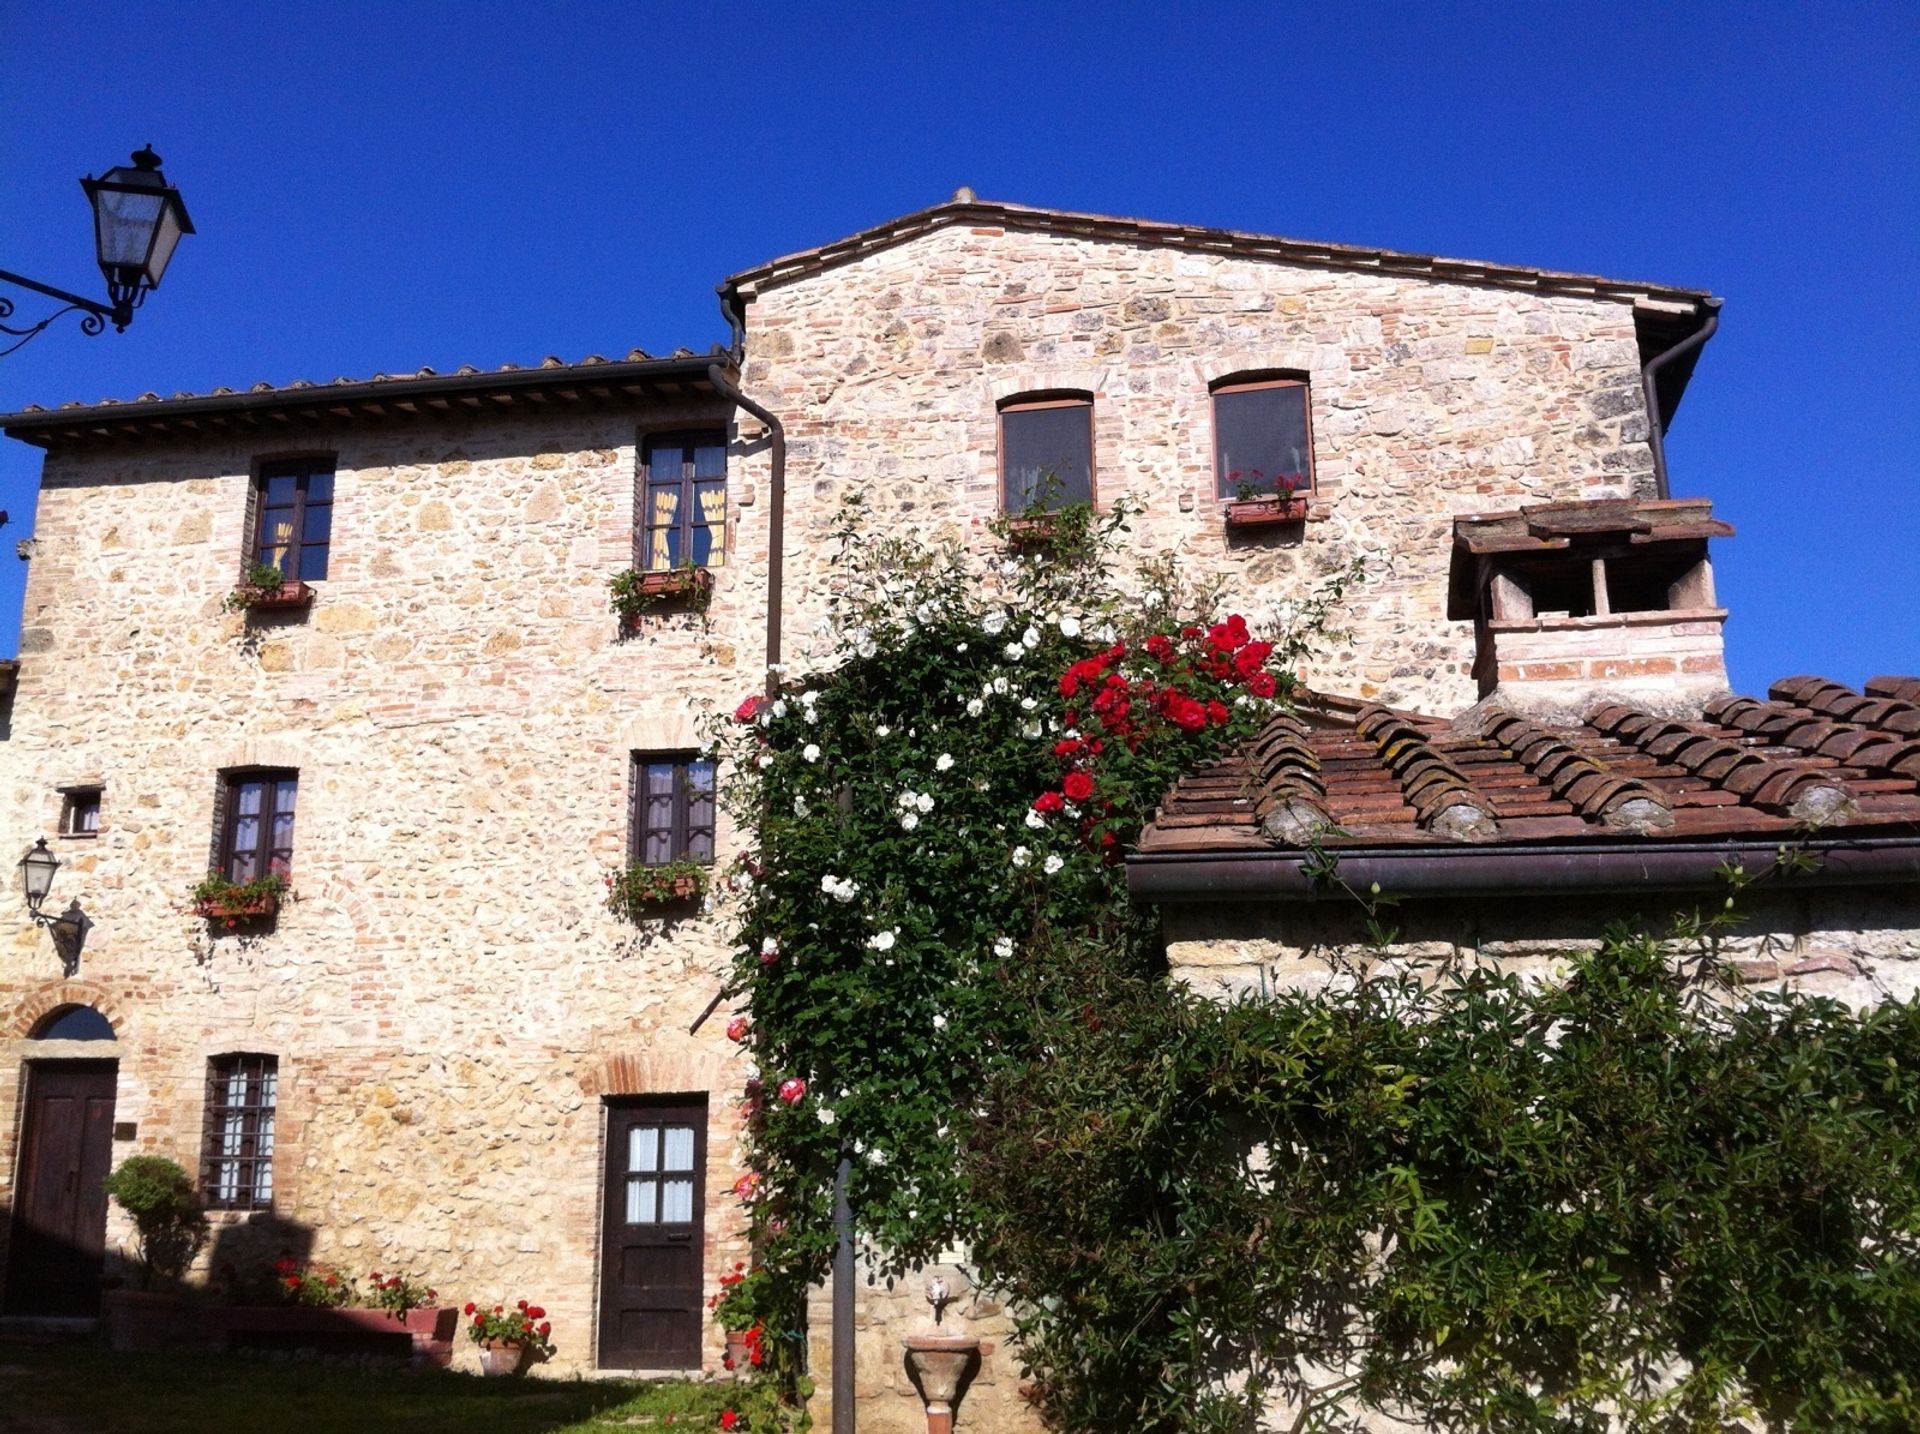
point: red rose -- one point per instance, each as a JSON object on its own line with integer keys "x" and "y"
{"x": 1078, "y": 786}
{"x": 1217, "y": 713}
{"x": 737, "y": 1028}
{"x": 1069, "y": 685}
{"x": 793, "y": 1090}
{"x": 728, "y": 1419}
{"x": 1261, "y": 684}
{"x": 747, "y": 710}
{"x": 1160, "y": 649}
{"x": 1066, "y": 748}
{"x": 1048, "y": 802}
{"x": 293, "y": 1282}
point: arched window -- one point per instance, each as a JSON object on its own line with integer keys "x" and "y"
{"x": 1262, "y": 435}
{"x": 1046, "y": 451}
{"x": 72, "y": 1023}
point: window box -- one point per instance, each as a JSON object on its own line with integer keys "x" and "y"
{"x": 289, "y": 596}
{"x": 218, "y": 899}
{"x": 641, "y": 890}
{"x": 634, "y": 591}
{"x": 427, "y": 1332}
{"x": 1032, "y": 530}
{"x": 1266, "y": 512}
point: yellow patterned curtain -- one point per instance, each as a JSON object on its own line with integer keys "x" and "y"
{"x": 666, "y": 502}
{"x": 279, "y": 534}
{"x": 713, "y": 510}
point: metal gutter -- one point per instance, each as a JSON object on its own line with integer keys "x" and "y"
{"x": 1650, "y": 385}
{"x": 1176, "y": 877}
{"x": 776, "y": 511}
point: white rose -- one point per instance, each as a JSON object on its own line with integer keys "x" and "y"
{"x": 807, "y": 699}
{"x": 959, "y": 647}
{"x": 799, "y": 806}
{"x": 1003, "y": 948}
{"x": 766, "y": 760}
{"x": 811, "y": 751}
{"x": 1031, "y": 637}
{"x": 909, "y": 821}
{"x": 1069, "y": 627}
{"x": 974, "y": 708}
{"x": 824, "y": 1116}
{"x": 924, "y": 802}
{"x": 1015, "y": 652}
{"x": 1051, "y": 864}
{"x": 1027, "y": 704}
{"x": 880, "y": 941}
{"x": 939, "y": 1023}
{"x": 1035, "y": 820}
{"x": 995, "y": 623}
{"x": 1021, "y": 856}
{"x": 780, "y": 708}
{"x": 1001, "y": 686}
{"x": 944, "y": 762}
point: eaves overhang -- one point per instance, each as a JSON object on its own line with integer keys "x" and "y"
{"x": 554, "y": 387}
{"x": 1214, "y": 878}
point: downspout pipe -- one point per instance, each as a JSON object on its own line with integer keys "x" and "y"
{"x": 1649, "y": 383}
{"x": 776, "y": 510}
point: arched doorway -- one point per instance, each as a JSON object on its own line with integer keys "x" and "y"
{"x": 58, "y": 1242}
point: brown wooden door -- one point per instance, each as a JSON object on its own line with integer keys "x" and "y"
{"x": 59, "y": 1210}
{"x": 653, "y": 1243}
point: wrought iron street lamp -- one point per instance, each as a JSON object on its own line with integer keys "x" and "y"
{"x": 36, "y": 875}
{"x": 138, "y": 219}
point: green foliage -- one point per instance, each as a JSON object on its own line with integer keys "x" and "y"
{"x": 398, "y": 1294}
{"x": 977, "y": 748}
{"x": 634, "y": 591}
{"x": 169, "y": 1225}
{"x": 1476, "y": 1203}
{"x": 638, "y": 891}
{"x": 258, "y": 580}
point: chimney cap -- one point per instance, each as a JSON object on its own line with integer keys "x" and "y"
{"x": 963, "y": 195}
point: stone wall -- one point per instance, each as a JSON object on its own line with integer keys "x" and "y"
{"x": 1428, "y": 400}
{"x": 448, "y": 1000}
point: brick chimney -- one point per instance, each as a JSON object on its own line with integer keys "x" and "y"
{"x": 1574, "y": 603}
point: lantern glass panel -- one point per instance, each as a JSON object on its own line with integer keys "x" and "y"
{"x": 124, "y": 223}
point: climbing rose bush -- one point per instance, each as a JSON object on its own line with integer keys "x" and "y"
{"x": 964, "y": 757}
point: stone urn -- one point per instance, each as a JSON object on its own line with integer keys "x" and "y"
{"x": 939, "y": 1362}
{"x": 499, "y": 1359}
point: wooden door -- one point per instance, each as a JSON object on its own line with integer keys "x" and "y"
{"x": 59, "y": 1209}
{"x": 653, "y": 1245}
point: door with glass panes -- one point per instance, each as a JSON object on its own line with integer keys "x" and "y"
{"x": 653, "y": 1234}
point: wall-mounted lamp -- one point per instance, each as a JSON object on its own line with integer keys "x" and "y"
{"x": 69, "y": 928}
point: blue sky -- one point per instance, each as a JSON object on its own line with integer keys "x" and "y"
{"x": 379, "y": 187}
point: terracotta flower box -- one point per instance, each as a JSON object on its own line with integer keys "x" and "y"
{"x": 425, "y": 1336}
{"x": 256, "y": 909}
{"x": 679, "y": 889}
{"x": 1265, "y": 512}
{"x": 1032, "y": 529}
{"x": 288, "y": 596}
{"x": 676, "y": 582}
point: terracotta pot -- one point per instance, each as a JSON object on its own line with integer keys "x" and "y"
{"x": 671, "y": 582}
{"x": 498, "y": 1358}
{"x": 1263, "y": 512}
{"x": 739, "y": 1356}
{"x": 287, "y": 595}
{"x": 254, "y": 910}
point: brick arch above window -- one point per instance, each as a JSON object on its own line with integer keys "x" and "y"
{"x": 1091, "y": 382}
{"x": 672, "y": 1067}
{"x": 1219, "y": 366}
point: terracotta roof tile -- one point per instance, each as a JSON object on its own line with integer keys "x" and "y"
{"x": 1748, "y": 769}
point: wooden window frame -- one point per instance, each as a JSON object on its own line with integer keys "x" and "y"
{"x": 73, "y": 801}
{"x": 1250, "y": 383}
{"x": 685, "y": 439}
{"x": 302, "y": 469}
{"x": 227, "y": 820}
{"x": 1051, "y": 398}
{"x": 680, "y": 830}
{"x": 252, "y": 1121}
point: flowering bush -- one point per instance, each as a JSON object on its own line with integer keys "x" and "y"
{"x": 961, "y": 771}
{"x": 635, "y": 891}
{"x": 523, "y": 1324}
{"x": 315, "y": 1285}
{"x": 398, "y": 1294}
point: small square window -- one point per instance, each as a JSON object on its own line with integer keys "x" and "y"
{"x": 237, "y": 1158}
{"x": 1262, "y": 440}
{"x": 80, "y": 812}
{"x": 673, "y": 807}
{"x": 293, "y": 527}
{"x": 1046, "y": 453}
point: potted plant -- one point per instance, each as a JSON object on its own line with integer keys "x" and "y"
{"x": 509, "y": 1338}
{"x": 218, "y": 899}
{"x": 638, "y": 890}
{"x": 739, "y": 1308}
{"x": 1258, "y": 504}
{"x": 265, "y": 588}
{"x": 634, "y": 591}
{"x": 169, "y": 1231}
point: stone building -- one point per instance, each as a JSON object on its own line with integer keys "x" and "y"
{"x": 443, "y": 1053}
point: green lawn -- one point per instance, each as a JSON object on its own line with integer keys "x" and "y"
{"x": 82, "y": 1389}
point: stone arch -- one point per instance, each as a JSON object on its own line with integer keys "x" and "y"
{"x": 38, "y": 1004}
{"x": 265, "y": 752}
{"x": 663, "y": 729}
{"x": 1047, "y": 380}
{"x": 1284, "y": 358}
